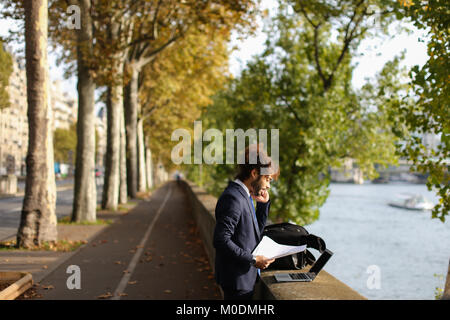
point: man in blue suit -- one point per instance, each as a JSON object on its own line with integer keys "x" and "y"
{"x": 239, "y": 226}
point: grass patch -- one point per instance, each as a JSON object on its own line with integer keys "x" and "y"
{"x": 60, "y": 246}
{"x": 121, "y": 208}
{"x": 67, "y": 220}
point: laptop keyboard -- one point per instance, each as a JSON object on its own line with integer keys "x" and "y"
{"x": 299, "y": 276}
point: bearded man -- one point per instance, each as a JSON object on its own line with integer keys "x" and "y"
{"x": 239, "y": 225}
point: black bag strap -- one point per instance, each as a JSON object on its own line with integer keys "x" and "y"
{"x": 313, "y": 241}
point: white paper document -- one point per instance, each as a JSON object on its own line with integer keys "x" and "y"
{"x": 272, "y": 250}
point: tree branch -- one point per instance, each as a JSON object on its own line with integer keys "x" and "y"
{"x": 292, "y": 110}
{"x": 316, "y": 58}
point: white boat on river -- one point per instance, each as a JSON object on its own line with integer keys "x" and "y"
{"x": 414, "y": 202}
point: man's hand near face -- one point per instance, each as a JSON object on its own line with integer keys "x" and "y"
{"x": 262, "y": 197}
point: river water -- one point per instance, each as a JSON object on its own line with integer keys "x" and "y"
{"x": 381, "y": 251}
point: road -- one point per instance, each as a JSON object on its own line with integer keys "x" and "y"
{"x": 10, "y": 209}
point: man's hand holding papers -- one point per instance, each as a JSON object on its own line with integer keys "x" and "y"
{"x": 273, "y": 250}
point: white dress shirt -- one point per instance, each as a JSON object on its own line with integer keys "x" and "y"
{"x": 239, "y": 182}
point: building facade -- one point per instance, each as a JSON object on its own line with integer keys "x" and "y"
{"x": 14, "y": 124}
{"x": 14, "y": 120}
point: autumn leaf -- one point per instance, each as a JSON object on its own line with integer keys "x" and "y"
{"x": 105, "y": 296}
{"x": 49, "y": 287}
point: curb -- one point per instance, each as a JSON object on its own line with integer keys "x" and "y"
{"x": 22, "y": 193}
{"x": 23, "y": 281}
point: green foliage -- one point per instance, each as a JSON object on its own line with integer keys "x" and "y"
{"x": 6, "y": 69}
{"x": 178, "y": 84}
{"x": 438, "y": 291}
{"x": 430, "y": 112}
{"x": 65, "y": 142}
{"x": 321, "y": 118}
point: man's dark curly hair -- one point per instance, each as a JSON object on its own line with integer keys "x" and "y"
{"x": 262, "y": 161}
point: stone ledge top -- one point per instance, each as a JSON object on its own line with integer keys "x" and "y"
{"x": 324, "y": 287}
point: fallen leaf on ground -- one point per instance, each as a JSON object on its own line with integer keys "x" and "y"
{"x": 105, "y": 296}
{"x": 48, "y": 287}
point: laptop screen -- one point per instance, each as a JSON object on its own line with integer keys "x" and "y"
{"x": 323, "y": 259}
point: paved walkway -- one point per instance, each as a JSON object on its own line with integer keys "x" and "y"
{"x": 153, "y": 252}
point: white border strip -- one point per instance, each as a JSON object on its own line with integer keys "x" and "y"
{"x": 126, "y": 277}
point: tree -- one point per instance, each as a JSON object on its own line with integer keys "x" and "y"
{"x": 6, "y": 70}
{"x": 65, "y": 142}
{"x": 429, "y": 113}
{"x": 85, "y": 191}
{"x": 178, "y": 85}
{"x": 166, "y": 23}
{"x": 301, "y": 85}
{"x": 38, "y": 220}
{"x": 87, "y": 52}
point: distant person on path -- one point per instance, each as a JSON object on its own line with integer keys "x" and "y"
{"x": 178, "y": 176}
{"x": 239, "y": 226}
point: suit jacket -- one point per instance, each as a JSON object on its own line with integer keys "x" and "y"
{"x": 235, "y": 237}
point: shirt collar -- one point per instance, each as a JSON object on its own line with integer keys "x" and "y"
{"x": 239, "y": 182}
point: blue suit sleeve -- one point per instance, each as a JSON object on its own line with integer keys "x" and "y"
{"x": 262, "y": 212}
{"x": 228, "y": 214}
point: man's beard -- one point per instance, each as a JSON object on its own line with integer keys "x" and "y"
{"x": 257, "y": 186}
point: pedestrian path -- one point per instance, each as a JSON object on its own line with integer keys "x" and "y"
{"x": 153, "y": 252}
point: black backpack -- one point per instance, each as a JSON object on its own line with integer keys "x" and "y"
{"x": 293, "y": 235}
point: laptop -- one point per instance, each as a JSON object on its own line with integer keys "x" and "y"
{"x": 306, "y": 276}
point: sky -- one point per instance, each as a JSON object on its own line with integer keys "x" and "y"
{"x": 376, "y": 51}
{"x": 368, "y": 65}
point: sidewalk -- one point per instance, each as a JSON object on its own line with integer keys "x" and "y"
{"x": 138, "y": 257}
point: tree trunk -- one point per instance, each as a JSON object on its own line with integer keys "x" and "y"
{"x": 149, "y": 168}
{"x": 446, "y": 293}
{"x": 142, "y": 186}
{"x": 123, "y": 193}
{"x": 85, "y": 193}
{"x": 131, "y": 111}
{"x": 38, "y": 219}
{"x": 112, "y": 174}
{"x": 110, "y": 197}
